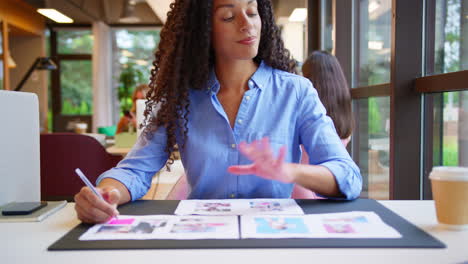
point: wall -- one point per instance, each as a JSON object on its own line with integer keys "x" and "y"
{"x": 25, "y": 50}
{"x": 26, "y": 42}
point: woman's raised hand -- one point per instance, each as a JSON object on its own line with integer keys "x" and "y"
{"x": 264, "y": 163}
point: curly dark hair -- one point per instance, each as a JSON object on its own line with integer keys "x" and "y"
{"x": 177, "y": 68}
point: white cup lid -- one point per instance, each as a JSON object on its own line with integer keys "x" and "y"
{"x": 449, "y": 173}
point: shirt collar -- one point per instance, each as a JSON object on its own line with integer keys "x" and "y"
{"x": 258, "y": 80}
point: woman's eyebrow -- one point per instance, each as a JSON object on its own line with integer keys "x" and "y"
{"x": 232, "y": 6}
{"x": 224, "y": 6}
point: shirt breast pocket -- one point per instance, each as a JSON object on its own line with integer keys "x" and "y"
{"x": 276, "y": 140}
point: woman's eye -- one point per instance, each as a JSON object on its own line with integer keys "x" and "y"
{"x": 252, "y": 14}
{"x": 228, "y": 19}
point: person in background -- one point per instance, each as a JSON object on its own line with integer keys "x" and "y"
{"x": 127, "y": 122}
{"x": 325, "y": 73}
{"x": 230, "y": 101}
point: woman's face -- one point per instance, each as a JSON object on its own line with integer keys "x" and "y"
{"x": 236, "y": 29}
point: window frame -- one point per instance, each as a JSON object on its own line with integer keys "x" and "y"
{"x": 413, "y": 90}
{"x": 58, "y": 119}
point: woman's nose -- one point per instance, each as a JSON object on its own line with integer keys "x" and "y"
{"x": 246, "y": 23}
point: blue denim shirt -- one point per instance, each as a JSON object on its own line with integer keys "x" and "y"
{"x": 283, "y": 106}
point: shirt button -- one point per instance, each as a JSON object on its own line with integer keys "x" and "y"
{"x": 247, "y": 98}
{"x": 239, "y": 121}
{"x": 250, "y": 83}
{"x": 232, "y": 195}
{"x": 260, "y": 85}
{"x": 233, "y": 146}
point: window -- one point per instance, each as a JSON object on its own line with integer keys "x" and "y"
{"x": 76, "y": 87}
{"x": 75, "y": 73}
{"x": 326, "y": 25}
{"x": 74, "y": 42}
{"x": 451, "y": 143}
{"x": 372, "y": 59}
{"x": 374, "y": 42}
{"x": 449, "y": 52}
{"x": 133, "y": 56}
{"x": 451, "y": 37}
{"x": 71, "y": 84}
{"x": 423, "y": 120}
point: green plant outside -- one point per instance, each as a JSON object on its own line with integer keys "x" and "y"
{"x": 76, "y": 85}
{"x": 49, "y": 121}
{"x": 375, "y": 119}
{"x": 130, "y": 77}
{"x": 450, "y": 151}
{"x": 75, "y": 42}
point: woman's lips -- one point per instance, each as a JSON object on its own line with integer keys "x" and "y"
{"x": 247, "y": 41}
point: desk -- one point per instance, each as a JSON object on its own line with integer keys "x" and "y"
{"x": 28, "y": 242}
{"x": 118, "y": 151}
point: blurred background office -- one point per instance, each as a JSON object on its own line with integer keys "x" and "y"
{"x": 406, "y": 63}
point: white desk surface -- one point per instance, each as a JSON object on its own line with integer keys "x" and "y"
{"x": 28, "y": 242}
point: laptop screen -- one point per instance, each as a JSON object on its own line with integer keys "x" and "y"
{"x": 19, "y": 147}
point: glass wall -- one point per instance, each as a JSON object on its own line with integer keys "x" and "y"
{"x": 373, "y": 136}
{"x": 326, "y": 26}
{"x": 372, "y": 58}
{"x": 75, "y": 72}
{"x": 451, "y": 120}
{"x": 450, "y": 140}
{"x": 451, "y": 36}
{"x": 74, "y": 42}
{"x": 76, "y": 87}
{"x": 133, "y": 54}
{"x": 374, "y": 42}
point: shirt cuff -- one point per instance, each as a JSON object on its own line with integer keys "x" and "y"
{"x": 136, "y": 187}
{"x": 348, "y": 178}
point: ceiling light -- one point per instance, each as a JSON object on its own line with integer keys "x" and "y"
{"x": 54, "y": 15}
{"x": 128, "y": 12}
{"x": 298, "y": 15}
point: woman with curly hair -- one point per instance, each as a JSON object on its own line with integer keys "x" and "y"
{"x": 222, "y": 79}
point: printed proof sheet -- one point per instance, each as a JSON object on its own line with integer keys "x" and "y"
{"x": 165, "y": 227}
{"x": 335, "y": 225}
{"x": 239, "y": 207}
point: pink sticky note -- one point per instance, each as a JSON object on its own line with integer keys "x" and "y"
{"x": 127, "y": 221}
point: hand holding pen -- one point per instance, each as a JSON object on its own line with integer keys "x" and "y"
{"x": 95, "y": 205}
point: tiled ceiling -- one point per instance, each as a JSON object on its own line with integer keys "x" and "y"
{"x": 107, "y": 11}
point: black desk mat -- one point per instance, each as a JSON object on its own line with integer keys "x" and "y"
{"x": 413, "y": 237}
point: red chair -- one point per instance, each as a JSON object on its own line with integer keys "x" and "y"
{"x": 61, "y": 154}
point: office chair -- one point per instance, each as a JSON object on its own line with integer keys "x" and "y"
{"x": 61, "y": 154}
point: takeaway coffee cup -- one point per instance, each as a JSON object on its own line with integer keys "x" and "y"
{"x": 450, "y": 193}
{"x": 81, "y": 128}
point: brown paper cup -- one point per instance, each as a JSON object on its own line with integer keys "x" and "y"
{"x": 450, "y": 193}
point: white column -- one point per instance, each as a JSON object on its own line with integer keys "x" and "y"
{"x": 102, "y": 77}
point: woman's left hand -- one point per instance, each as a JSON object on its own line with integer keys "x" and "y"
{"x": 264, "y": 164}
